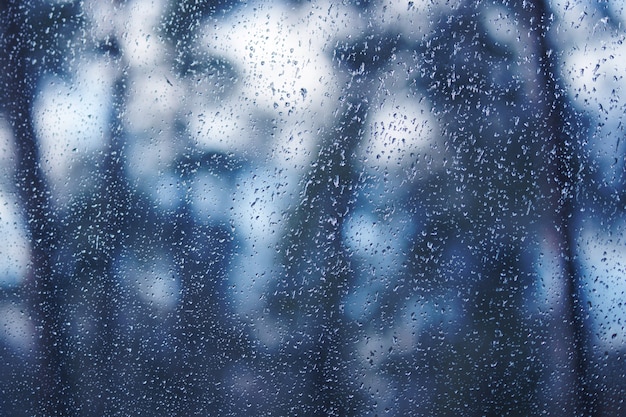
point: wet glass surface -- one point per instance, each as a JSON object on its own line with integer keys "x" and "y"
{"x": 253, "y": 208}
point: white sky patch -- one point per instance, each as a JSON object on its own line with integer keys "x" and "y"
{"x": 364, "y": 235}
{"x": 550, "y": 286}
{"x": 400, "y": 132}
{"x": 211, "y": 196}
{"x": 15, "y": 327}
{"x": 7, "y": 155}
{"x": 283, "y": 56}
{"x": 604, "y": 261}
{"x": 574, "y": 20}
{"x": 142, "y": 46}
{"x": 14, "y": 246}
{"x": 167, "y": 190}
{"x": 412, "y": 19}
{"x": 259, "y": 205}
{"x": 104, "y": 17}
{"x": 592, "y": 62}
{"x": 159, "y": 287}
{"x": 595, "y": 78}
{"x": 379, "y": 245}
{"x": 71, "y": 118}
{"x": 154, "y": 100}
{"x": 154, "y": 279}
{"x": 502, "y": 25}
{"x": 223, "y": 128}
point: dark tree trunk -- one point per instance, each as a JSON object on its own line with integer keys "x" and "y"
{"x": 53, "y": 383}
{"x": 320, "y": 274}
{"x": 563, "y": 168}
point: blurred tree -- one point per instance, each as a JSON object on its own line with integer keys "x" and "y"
{"x": 26, "y": 51}
{"x": 560, "y": 126}
{"x": 316, "y": 358}
{"x": 493, "y": 97}
{"x": 208, "y": 338}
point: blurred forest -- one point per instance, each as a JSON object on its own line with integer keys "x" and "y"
{"x": 228, "y": 208}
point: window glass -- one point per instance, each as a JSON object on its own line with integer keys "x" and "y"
{"x": 312, "y": 208}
